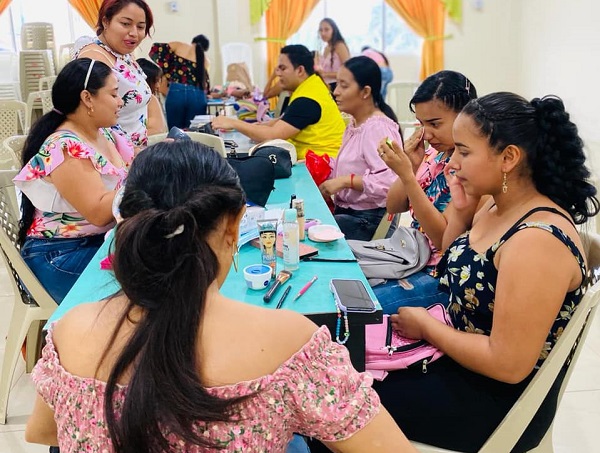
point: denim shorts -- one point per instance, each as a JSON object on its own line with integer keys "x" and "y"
{"x": 58, "y": 263}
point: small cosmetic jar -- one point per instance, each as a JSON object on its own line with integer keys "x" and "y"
{"x": 257, "y": 276}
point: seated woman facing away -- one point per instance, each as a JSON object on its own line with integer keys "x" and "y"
{"x": 421, "y": 187}
{"x": 514, "y": 272}
{"x": 359, "y": 180}
{"x": 72, "y": 166}
{"x": 169, "y": 364}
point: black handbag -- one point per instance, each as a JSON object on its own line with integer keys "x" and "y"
{"x": 280, "y": 158}
{"x": 257, "y": 177}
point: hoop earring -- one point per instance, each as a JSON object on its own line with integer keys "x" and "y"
{"x": 504, "y": 185}
{"x": 235, "y": 257}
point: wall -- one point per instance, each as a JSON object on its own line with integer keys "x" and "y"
{"x": 485, "y": 46}
{"x": 560, "y": 51}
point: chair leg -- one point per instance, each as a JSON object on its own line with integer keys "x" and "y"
{"x": 34, "y": 345}
{"x": 16, "y": 336}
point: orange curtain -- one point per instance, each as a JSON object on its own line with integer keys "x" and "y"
{"x": 3, "y": 5}
{"x": 426, "y": 18}
{"x": 88, "y": 9}
{"x": 284, "y": 18}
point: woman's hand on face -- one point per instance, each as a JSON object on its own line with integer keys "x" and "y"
{"x": 414, "y": 146}
{"x": 409, "y": 321}
{"x": 460, "y": 199}
{"x": 331, "y": 187}
{"x": 396, "y": 158}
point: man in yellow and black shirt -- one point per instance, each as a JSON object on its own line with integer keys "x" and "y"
{"x": 311, "y": 120}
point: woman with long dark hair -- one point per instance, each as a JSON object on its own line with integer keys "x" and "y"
{"x": 121, "y": 28}
{"x": 170, "y": 364}
{"x": 72, "y": 166}
{"x": 515, "y": 271}
{"x": 185, "y": 66}
{"x": 359, "y": 180}
{"x": 336, "y": 52}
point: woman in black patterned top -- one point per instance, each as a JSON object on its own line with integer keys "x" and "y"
{"x": 185, "y": 66}
{"x": 515, "y": 272}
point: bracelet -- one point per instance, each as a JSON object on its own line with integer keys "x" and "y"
{"x": 352, "y": 181}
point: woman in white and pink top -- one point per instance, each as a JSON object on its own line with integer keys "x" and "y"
{"x": 359, "y": 179}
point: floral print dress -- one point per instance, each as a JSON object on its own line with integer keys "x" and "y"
{"x": 135, "y": 93}
{"x": 471, "y": 279}
{"x": 316, "y": 392}
{"x": 54, "y": 217}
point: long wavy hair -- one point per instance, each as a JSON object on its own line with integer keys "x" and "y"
{"x": 554, "y": 150}
{"x": 176, "y": 195}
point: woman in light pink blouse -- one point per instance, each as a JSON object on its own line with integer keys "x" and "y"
{"x": 168, "y": 364}
{"x": 335, "y": 53}
{"x": 359, "y": 179}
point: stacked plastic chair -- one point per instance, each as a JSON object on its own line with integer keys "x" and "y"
{"x": 9, "y": 76}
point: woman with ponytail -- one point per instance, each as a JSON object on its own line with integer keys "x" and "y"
{"x": 168, "y": 364}
{"x": 359, "y": 180}
{"x": 72, "y": 165}
{"x": 515, "y": 271}
{"x": 185, "y": 66}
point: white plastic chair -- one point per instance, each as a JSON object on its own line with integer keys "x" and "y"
{"x": 207, "y": 139}
{"x": 33, "y": 65}
{"x": 565, "y": 351}
{"x": 384, "y": 226}
{"x": 13, "y": 147}
{"x": 9, "y": 76}
{"x": 37, "y": 101}
{"x": 32, "y": 306}
{"x": 237, "y": 52}
{"x": 399, "y": 95}
{"x": 12, "y": 118}
{"x": 37, "y": 35}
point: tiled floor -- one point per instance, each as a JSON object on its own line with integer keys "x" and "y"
{"x": 576, "y": 427}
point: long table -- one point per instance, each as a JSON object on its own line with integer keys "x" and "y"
{"x": 318, "y": 302}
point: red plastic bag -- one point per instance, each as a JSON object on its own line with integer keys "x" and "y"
{"x": 319, "y": 169}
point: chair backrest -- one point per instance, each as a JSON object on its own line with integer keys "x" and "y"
{"x": 237, "y": 52}
{"x": 207, "y": 139}
{"x": 22, "y": 277}
{"x": 12, "y": 118}
{"x": 33, "y": 65}
{"x": 565, "y": 351}
{"x": 37, "y": 35}
{"x": 46, "y": 98}
{"x": 399, "y": 95}
{"x": 65, "y": 54}
{"x": 14, "y": 145}
{"x": 9, "y": 62}
{"x": 45, "y": 83}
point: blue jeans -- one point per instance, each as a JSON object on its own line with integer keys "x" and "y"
{"x": 386, "y": 77}
{"x": 58, "y": 263}
{"x": 419, "y": 290}
{"x": 183, "y": 103}
{"x": 359, "y": 225}
{"x": 297, "y": 445}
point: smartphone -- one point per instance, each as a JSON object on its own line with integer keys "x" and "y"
{"x": 351, "y": 295}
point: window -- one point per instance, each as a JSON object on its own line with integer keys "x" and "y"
{"x": 55, "y": 12}
{"x": 377, "y": 26}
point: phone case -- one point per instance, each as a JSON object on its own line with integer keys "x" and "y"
{"x": 367, "y": 306}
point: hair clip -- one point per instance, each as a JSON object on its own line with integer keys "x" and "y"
{"x": 177, "y": 231}
{"x": 467, "y": 85}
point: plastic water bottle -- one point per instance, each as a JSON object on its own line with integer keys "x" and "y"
{"x": 291, "y": 241}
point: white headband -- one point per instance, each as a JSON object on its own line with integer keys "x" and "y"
{"x": 87, "y": 76}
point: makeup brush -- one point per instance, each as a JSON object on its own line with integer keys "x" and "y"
{"x": 282, "y": 277}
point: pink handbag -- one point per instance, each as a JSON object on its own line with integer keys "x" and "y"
{"x": 386, "y": 350}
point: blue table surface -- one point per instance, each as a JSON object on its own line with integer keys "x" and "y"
{"x": 95, "y": 284}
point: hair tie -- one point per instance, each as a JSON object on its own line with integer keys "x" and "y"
{"x": 177, "y": 232}
{"x": 55, "y": 110}
{"x": 87, "y": 76}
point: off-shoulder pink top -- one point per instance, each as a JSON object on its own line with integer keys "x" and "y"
{"x": 316, "y": 392}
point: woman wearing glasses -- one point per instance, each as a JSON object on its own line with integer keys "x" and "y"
{"x": 72, "y": 165}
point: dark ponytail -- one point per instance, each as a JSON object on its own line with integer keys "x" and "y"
{"x": 176, "y": 195}
{"x": 555, "y": 156}
{"x": 451, "y": 88}
{"x": 66, "y": 96}
{"x": 367, "y": 73}
{"x": 201, "y": 44}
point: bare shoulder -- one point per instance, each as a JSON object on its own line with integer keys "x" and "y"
{"x": 95, "y": 52}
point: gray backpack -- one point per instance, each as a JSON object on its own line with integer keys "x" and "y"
{"x": 399, "y": 256}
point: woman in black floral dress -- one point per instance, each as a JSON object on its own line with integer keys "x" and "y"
{"x": 514, "y": 271}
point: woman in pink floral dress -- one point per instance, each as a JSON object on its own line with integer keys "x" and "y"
{"x": 169, "y": 364}
{"x": 72, "y": 166}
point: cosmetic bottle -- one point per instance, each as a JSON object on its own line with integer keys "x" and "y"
{"x": 291, "y": 243}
